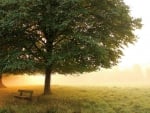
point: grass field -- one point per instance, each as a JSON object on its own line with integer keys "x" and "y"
{"x": 78, "y": 100}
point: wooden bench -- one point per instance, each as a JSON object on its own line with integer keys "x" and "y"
{"x": 24, "y": 94}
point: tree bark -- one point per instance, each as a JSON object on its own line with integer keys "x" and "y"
{"x": 1, "y": 83}
{"x": 47, "y": 85}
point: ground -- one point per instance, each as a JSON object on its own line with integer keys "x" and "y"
{"x": 66, "y": 99}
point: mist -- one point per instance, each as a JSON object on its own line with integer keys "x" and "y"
{"x": 136, "y": 75}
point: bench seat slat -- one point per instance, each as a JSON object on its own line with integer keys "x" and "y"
{"x": 23, "y": 97}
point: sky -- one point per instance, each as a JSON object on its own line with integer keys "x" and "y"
{"x": 139, "y": 52}
{"x": 134, "y": 68}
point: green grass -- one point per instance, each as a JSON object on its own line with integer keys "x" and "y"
{"x": 78, "y": 100}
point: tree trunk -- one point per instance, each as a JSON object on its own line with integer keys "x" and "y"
{"x": 47, "y": 85}
{"x": 1, "y": 82}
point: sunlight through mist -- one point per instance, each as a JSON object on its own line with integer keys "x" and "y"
{"x": 134, "y": 76}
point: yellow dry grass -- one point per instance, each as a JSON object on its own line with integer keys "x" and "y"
{"x": 78, "y": 99}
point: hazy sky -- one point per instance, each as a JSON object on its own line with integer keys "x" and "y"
{"x": 139, "y": 53}
{"x": 134, "y": 68}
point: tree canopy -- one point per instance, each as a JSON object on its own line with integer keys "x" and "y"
{"x": 63, "y": 36}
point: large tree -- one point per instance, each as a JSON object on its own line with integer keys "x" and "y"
{"x": 63, "y": 36}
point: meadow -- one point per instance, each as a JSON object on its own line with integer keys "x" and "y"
{"x": 65, "y": 99}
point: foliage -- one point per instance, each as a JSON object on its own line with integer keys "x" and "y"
{"x": 68, "y": 36}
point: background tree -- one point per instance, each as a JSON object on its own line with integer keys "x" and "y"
{"x": 1, "y": 83}
{"x": 63, "y": 36}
